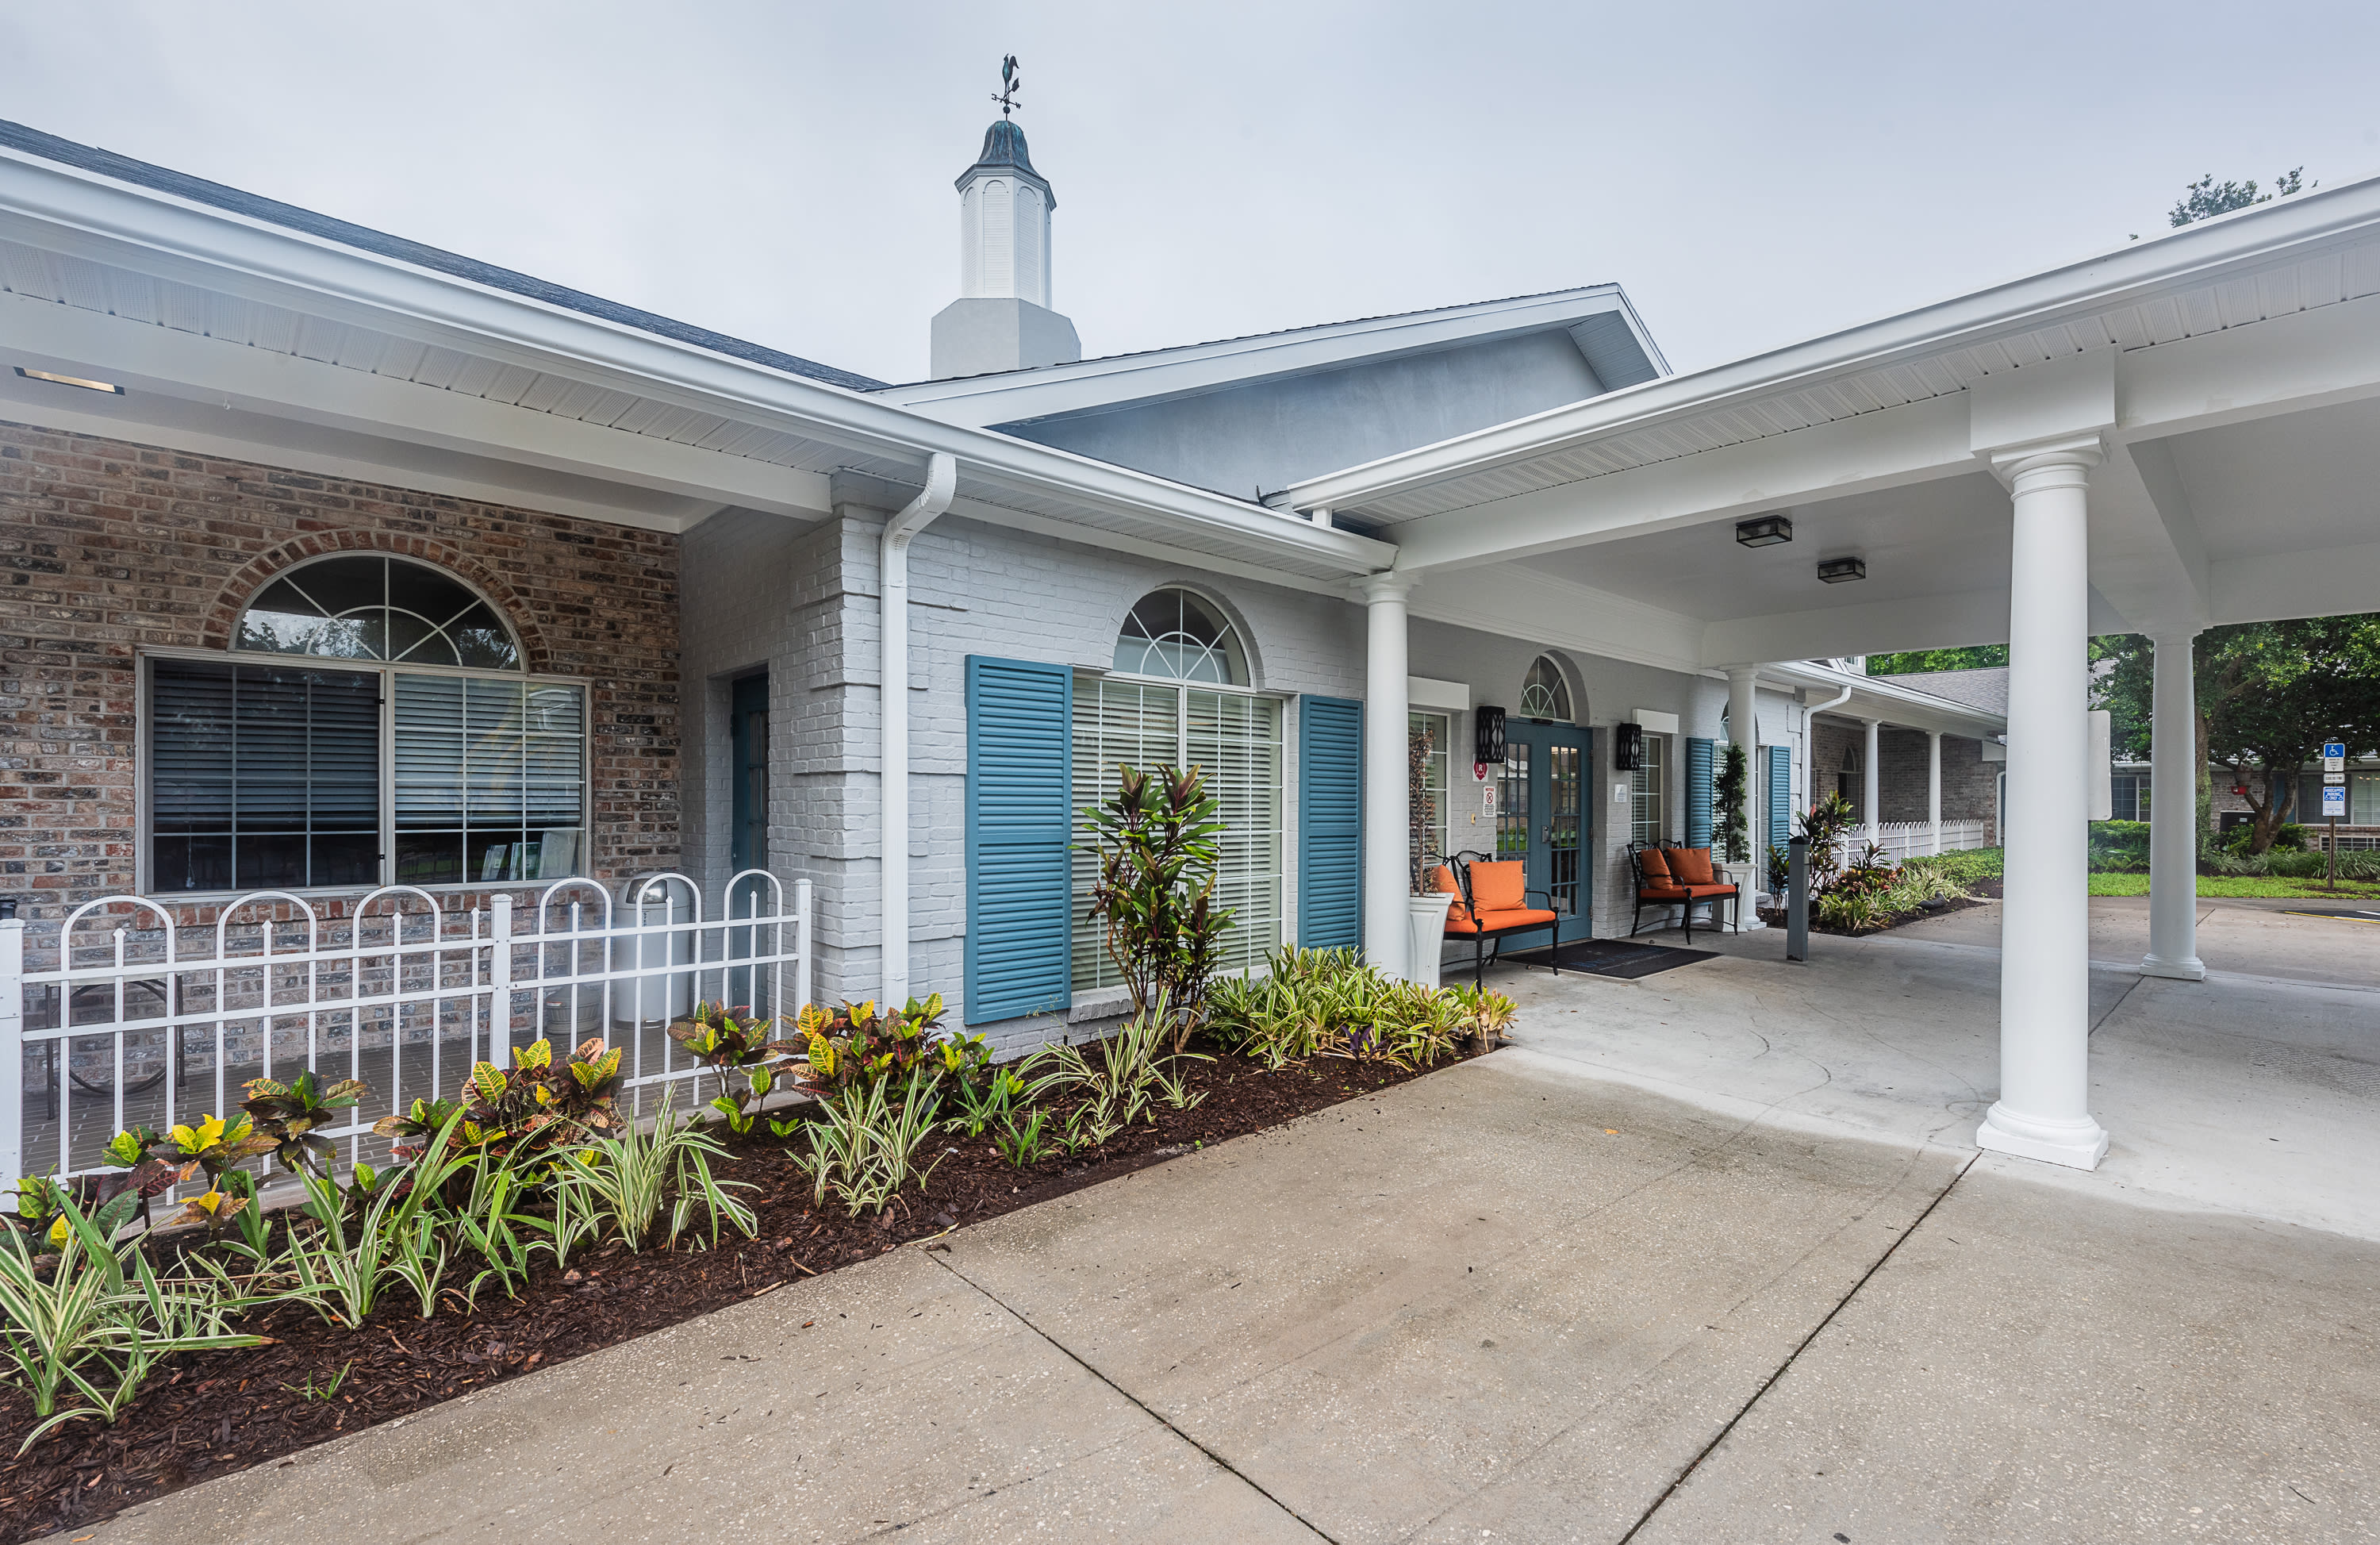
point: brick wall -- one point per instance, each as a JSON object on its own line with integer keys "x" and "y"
{"x": 108, "y": 548}
{"x": 1969, "y": 782}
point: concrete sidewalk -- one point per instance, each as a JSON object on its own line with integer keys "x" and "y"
{"x": 1534, "y": 1297}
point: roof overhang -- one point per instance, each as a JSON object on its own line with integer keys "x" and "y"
{"x": 2231, "y": 371}
{"x": 241, "y": 337}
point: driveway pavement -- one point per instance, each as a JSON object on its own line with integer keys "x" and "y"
{"x": 1563, "y": 1292}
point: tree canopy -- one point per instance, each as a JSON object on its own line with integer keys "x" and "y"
{"x": 2205, "y": 199}
{"x": 2269, "y": 694}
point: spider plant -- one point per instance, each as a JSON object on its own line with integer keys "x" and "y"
{"x": 87, "y": 1328}
{"x": 630, "y": 1181}
{"x": 864, "y": 1148}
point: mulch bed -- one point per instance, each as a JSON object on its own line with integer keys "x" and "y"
{"x": 1980, "y": 891}
{"x": 212, "y": 1413}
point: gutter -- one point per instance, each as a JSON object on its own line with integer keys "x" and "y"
{"x": 893, "y": 710}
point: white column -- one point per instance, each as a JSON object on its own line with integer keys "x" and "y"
{"x": 1868, "y": 797}
{"x": 1386, "y": 788}
{"x": 1934, "y": 787}
{"x": 2044, "y": 1108}
{"x": 1743, "y": 729}
{"x": 2173, "y": 816}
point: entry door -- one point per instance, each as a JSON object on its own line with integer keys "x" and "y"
{"x": 747, "y": 838}
{"x": 748, "y": 842}
{"x": 1542, "y": 818}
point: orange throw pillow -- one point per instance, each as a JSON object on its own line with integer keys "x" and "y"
{"x": 1500, "y": 887}
{"x": 1442, "y": 879}
{"x": 1656, "y": 865}
{"x": 1692, "y": 865}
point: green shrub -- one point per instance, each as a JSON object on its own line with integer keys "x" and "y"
{"x": 2119, "y": 846}
{"x": 1158, "y": 839}
{"x": 1328, "y": 1002}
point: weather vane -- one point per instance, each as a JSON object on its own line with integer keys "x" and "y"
{"x": 1010, "y": 83}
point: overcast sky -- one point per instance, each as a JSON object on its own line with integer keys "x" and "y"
{"x": 1752, "y": 173}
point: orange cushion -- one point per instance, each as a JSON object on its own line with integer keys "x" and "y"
{"x": 1461, "y": 925}
{"x": 1692, "y": 865}
{"x": 1498, "y": 887}
{"x": 1519, "y": 916}
{"x": 1698, "y": 891}
{"x": 1442, "y": 879}
{"x": 1655, "y": 865}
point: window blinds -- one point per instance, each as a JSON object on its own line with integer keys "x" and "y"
{"x": 262, "y": 776}
{"x": 490, "y": 779}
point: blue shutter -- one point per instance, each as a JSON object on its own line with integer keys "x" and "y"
{"x": 1330, "y": 824}
{"x": 1020, "y": 887}
{"x": 1780, "y": 795}
{"x": 1698, "y": 793}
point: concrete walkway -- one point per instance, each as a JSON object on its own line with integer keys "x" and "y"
{"x": 1539, "y": 1297}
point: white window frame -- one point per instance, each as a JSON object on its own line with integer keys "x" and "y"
{"x": 1444, "y": 757}
{"x": 142, "y": 780}
{"x": 1656, "y": 761}
{"x": 1105, "y": 996}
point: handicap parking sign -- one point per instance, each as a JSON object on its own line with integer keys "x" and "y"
{"x": 2333, "y": 802}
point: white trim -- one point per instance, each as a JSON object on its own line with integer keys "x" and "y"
{"x": 1653, "y": 721}
{"x": 1421, "y": 692}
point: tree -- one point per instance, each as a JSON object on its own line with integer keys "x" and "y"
{"x": 2269, "y": 694}
{"x": 2205, "y": 199}
{"x": 1912, "y": 660}
{"x": 1734, "y": 782}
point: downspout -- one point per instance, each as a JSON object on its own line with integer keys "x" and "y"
{"x": 893, "y": 710}
{"x": 1810, "y": 741}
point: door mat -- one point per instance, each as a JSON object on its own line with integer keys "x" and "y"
{"x": 1609, "y": 957}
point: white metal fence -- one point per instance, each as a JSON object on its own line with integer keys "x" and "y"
{"x": 118, "y": 1017}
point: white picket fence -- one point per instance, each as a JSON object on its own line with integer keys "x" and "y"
{"x": 1903, "y": 840}
{"x": 124, "y": 1016}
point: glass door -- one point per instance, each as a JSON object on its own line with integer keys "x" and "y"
{"x": 1542, "y": 818}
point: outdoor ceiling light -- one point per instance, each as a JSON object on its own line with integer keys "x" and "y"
{"x": 1835, "y": 571}
{"x": 1764, "y": 530}
{"x": 71, "y": 381}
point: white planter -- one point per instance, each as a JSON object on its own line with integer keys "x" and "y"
{"x": 1746, "y": 879}
{"x": 1427, "y": 916}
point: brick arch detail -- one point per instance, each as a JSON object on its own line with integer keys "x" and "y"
{"x": 222, "y": 617}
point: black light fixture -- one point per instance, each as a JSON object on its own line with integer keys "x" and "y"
{"x": 70, "y": 381}
{"x": 1764, "y": 530}
{"x": 1837, "y": 571}
{"x": 1627, "y": 748}
{"x": 1487, "y": 737}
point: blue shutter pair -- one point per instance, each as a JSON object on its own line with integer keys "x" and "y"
{"x": 1330, "y": 824}
{"x": 1698, "y": 793}
{"x": 1019, "y": 831}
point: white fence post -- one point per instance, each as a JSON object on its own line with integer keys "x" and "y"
{"x": 12, "y": 1047}
{"x": 500, "y": 977}
{"x": 802, "y": 960}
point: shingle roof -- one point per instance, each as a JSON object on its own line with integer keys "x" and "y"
{"x": 1986, "y": 687}
{"x": 1252, "y": 338}
{"x": 123, "y": 168}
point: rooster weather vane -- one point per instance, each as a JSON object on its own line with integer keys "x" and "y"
{"x": 1009, "y": 84}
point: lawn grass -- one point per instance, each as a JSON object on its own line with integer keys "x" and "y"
{"x": 2277, "y": 886}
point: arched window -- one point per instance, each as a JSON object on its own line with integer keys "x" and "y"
{"x": 369, "y": 606}
{"x": 1179, "y": 635}
{"x": 407, "y": 746}
{"x": 1544, "y": 695}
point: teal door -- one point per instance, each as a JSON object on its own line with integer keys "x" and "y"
{"x": 747, "y": 832}
{"x": 1542, "y": 818}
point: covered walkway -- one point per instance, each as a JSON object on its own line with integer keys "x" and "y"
{"x": 1534, "y": 1299}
